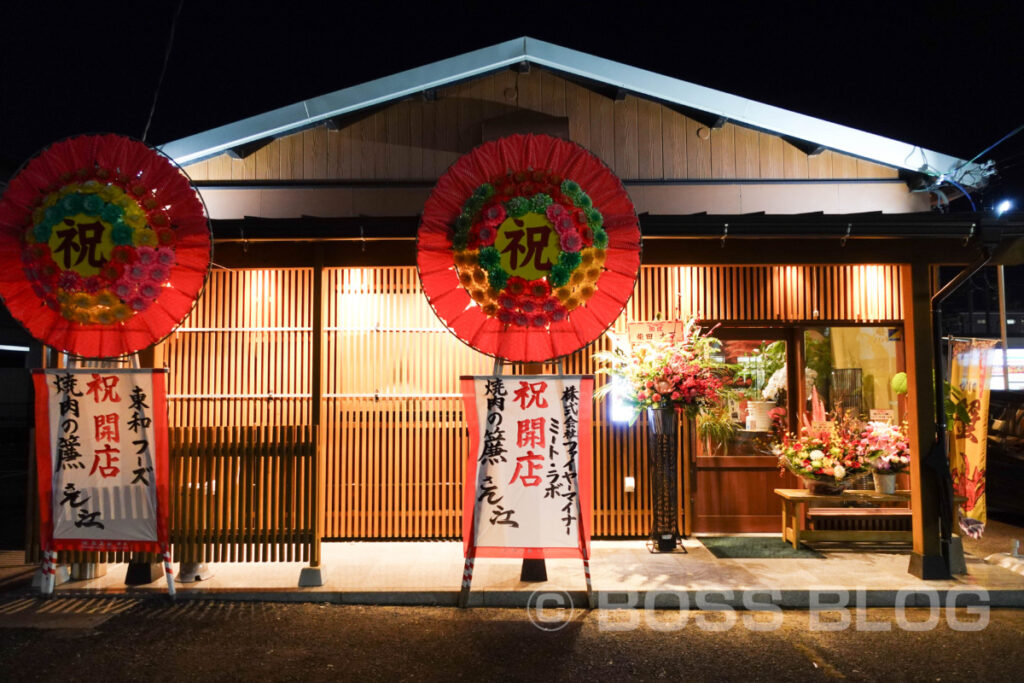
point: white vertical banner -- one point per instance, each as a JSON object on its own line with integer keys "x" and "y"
{"x": 527, "y": 490}
{"x": 101, "y": 454}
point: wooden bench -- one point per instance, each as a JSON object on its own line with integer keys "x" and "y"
{"x": 794, "y": 501}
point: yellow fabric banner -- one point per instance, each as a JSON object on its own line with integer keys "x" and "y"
{"x": 968, "y": 440}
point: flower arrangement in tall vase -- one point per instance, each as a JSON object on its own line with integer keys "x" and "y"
{"x": 668, "y": 377}
{"x": 686, "y": 374}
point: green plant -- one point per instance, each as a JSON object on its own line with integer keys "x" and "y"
{"x": 758, "y": 368}
{"x": 955, "y": 405}
{"x": 818, "y": 357}
{"x": 715, "y": 424}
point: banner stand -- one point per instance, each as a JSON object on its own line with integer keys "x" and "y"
{"x": 467, "y": 575}
{"x": 49, "y": 553}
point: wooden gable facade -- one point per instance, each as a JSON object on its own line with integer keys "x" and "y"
{"x": 313, "y": 393}
{"x": 640, "y": 140}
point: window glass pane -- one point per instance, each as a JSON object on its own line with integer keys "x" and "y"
{"x": 742, "y": 426}
{"x": 852, "y": 368}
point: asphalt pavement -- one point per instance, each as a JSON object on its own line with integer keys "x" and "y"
{"x": 119, "y": 639}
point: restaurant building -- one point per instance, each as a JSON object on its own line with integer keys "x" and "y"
{"x": 313, "y": 394}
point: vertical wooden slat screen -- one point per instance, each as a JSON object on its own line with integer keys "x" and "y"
{"x": 778, "y": 294}
{"x": 395, "y": 437}
{"x": 242, "y": 444}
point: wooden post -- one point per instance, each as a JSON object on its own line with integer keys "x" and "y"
{"x": 796, "y": 360}
{"x": 316, "y": 356}
{"x": 926, "y": 561}
{"x": 312, "y": 575}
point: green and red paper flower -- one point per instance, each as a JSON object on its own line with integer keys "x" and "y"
{"x": 529, "y": 248}
{"x": 106, "y": 246}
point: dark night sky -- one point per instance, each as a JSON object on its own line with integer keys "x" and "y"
{"x": 943, "y": 76}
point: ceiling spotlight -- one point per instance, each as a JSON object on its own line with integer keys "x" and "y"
{"x": 1003, "y": 206}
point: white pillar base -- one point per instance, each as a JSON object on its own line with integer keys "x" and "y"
{"x": 63, "y": 575}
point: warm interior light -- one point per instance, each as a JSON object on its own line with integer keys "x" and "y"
{"x": 620, "y": 411}
{"x": 357, "y": 299}
{"x": 261, "y": 285}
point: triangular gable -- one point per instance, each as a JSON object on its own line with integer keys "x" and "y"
{"x": 697, "y": 101}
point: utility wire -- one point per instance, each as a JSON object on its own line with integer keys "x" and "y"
{"x": 163, "y": 69}
{"x": 989, "y": 148}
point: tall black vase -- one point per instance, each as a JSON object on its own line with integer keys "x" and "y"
{"x": 662, "y": 452}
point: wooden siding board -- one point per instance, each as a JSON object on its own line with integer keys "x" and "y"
{"x": 602, "y": 128}
{"x": 379, "y": 150}
{"x": 415, "y": 160}
{"x": 528, "y": 87}
{"x": 820, "y": 165}
{"x": 220, "y": 167}
{"x": 771, "y": 156}
{"x": 649, "y": 142}
{"x": 698, "y": 150}
{"x": 428, "y": 133}
{"x": 674, "y": 155}
{"x": 198, "y": 170}
{"x": 470, "y": 108}
{"x": 723, "y": 152}
{"x": 396, "y": 137}
{"x": 363, "y": 137}
{"x": 868, "y": 169}
{"x": 552, "y": 89}
{"x": 577, "y": 108}
{"x": 626, "y": 157}
{"x": 446, "y": 130}
{"x": 748, "y": 153}
{"x": 794, "y": 162}
{"x": 315, "y": 153}
{"x": 844, "y": 166}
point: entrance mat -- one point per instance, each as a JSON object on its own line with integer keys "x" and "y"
{"x": 756, "y": 547}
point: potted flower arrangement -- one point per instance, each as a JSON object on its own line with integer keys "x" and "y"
{"x": 764, "y": 372}
{"x": 826, "y": 457}
{"x": 666, "y": 378}
{"x": 886, "y": 450}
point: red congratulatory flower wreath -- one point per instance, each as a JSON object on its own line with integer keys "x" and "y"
{"x": 529, "y": 248}
{"x": 104, "y": 246}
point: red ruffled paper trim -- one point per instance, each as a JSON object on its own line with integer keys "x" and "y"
{"x": 141, "y": 171}
{"x": 453, "y": 305}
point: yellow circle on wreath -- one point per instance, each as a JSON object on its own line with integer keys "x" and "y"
{"x": 81, "y": 243}
{"x": 528, "y": 246}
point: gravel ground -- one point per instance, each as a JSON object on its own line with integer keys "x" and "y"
{"x": 119, "y": 639}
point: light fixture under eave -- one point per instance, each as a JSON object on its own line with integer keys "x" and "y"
{"x": 1003, "y": 206}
